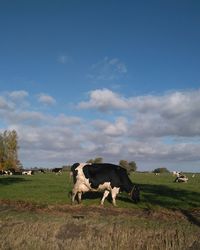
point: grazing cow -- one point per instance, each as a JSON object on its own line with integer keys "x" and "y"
{"x": 57, "y": 171}
{"x": 6, "y": 172}
{"x": 102, "y": 177}
{"x": 176, "y": 173}
{"x": 181, "y": 178}
{"x": 2, "y": 172}
{"x": 41, "y": 171}
{"x": 29, "y": 172}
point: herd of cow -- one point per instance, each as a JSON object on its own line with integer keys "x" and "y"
{"x": 14, "y": 172}
{"x": 28, "y": 172}
{"x": 102, "y": 177}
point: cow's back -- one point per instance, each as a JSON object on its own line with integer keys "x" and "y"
{"x": 100, "y": 173}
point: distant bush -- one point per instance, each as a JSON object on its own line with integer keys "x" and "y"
{"x": 161, "y": 170}
{"x": 96, "y": 160}
{"x": 129, "y": 166}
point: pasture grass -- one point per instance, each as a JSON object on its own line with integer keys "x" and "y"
{"x": 35, "y": 214}
{"x": 156, "y": 191}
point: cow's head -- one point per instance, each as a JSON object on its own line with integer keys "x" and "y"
{"x": 135, "y": 194}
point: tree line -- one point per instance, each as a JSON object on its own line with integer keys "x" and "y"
{"x": 9, "y": 150}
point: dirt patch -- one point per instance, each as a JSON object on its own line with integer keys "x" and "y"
{"x": 70, "y": 231}
{"x": 80, "y": 211}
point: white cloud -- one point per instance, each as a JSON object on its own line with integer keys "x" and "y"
{"x": 152, "y": 130}
{"x": 107, "y": 70}
{"x": 104, "y": 100}
{"x": 4, "y": 105}
{"x": 175, "y": 114}
{"x": 46, "y": 99}
{"x": 117, "y": 128}
{"x": 18, "y": 95}
{"x": 64, "y": 120}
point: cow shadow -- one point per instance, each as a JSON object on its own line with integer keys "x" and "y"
{"x": 11, "y": 180}
{"x": 124, "y": 198}
{"x": 167, "y": 197}
{"x": 99, "y": 195}
{"x": 173, "y": 199}
{"x": 92, "y": 195}
{"x": 95, "y": 196}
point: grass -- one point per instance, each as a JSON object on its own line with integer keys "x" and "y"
{"x": 31, "y": 230}
{"x": 35, "y": 214}
{"x": 156, "y": 191}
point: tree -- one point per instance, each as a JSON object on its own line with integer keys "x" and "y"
{"x": 96, "y": 160}
{"x": 1, "y": 151}
{"x": 9, "y": 150}
{"x": 90, "y": 161}
{"x": 161, "y": 170}
{"x": 129, "y": 166}
{"x": 132, "y": 166}
{"x": 124, "y": 164}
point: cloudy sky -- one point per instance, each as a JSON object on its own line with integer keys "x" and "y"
{"x": 111, "y": 79}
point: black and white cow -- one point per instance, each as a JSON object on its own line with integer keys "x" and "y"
{"x": 41, "y": 171}
{"x": 181, "y": 178}
{"x": 57, "y": 171}
{"x": 27, "y": 172}
{"x": 6, "y": 172}
{"x": 105, "y": 177}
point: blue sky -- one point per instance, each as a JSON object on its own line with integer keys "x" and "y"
{"x": 116, "y": 79}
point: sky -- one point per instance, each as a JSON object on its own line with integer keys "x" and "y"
{"x": 113, "y": 79}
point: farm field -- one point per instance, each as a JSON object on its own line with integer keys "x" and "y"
{"x": 156, "y": 191}
{"x": 35, "y": 213}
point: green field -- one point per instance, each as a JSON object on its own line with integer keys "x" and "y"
{"x": 35, "y": 213}
{"x": 156, "y": 191}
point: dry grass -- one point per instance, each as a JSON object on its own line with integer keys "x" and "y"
{"x": 83, "y": 228}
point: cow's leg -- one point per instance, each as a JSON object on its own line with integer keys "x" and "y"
{"x": 106, "y": 193}
{"x": 73, "y": 196}
{"x": 114, "y": 193}
{"x": 79, "y": 197}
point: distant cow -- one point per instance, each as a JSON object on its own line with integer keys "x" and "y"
{"x": 102, "y": 177}
{"x": 57, "y": 171}
{"x": 6, "y": 172}
{"x": 176, "y": 173}
{"x": 181, "y": 178}
{"x": 41, "y": 171}
{"x": 27, "y": 172}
